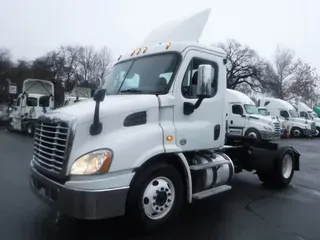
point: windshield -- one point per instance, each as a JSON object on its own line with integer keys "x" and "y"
{"x": 263, "y": 112}
{"x": 251, "y": 109}
{"x": 44, "y": 101}
{"x": 148, "y": 75}
{"x": 294, "y": 113}
{"x": 32, "y": 102}
{"x": 312, "y": 114}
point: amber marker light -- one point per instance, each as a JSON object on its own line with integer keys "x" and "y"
{"x": 169, "y": 138}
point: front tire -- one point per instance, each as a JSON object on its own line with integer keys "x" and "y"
{"x": 30, "y": 129}
{"x": 254, "y": 133}
{"x": 283, "y": 169}
{"x": 10, "y": 127}
{"x": 296, "y": 132}
{"x": 155, "y": 197}
{"x": 318, "y": 131}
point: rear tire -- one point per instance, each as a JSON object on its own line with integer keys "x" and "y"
{"x": 283, "y": 170}
{"x": 155, "y": 197}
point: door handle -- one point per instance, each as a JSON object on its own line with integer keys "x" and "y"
{"x": 231, "y": 122}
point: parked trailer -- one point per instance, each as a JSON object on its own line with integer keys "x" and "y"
{"x": 144, "y": 151}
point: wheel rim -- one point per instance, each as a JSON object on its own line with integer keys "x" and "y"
{"x": 253, "y": 134}
{"x": 29, "y": 130}
{"x": 158, "y": 198}
{"x": 317, "y": 133}
{"x": 287, "y": 164}
{"x": 296, "y": 133}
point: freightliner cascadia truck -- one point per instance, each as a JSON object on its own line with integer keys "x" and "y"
{"x": 152, "y": 138}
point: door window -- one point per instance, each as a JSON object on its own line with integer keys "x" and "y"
{"x": 189, "y": 83}
{"x": 284, "y": 114}
{"x": 237, "y": 109}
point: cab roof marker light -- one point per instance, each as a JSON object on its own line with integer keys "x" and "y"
{"x": 144, "y": 50}
{"x": 168, "y": 45}
{"x": 138, "y": 51}
{"x": 133, "y": 52}
{"x": 119, "y": 57}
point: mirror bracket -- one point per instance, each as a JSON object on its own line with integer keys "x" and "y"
{"x": 96, "y": 126}
{"x": 188, "y": 108}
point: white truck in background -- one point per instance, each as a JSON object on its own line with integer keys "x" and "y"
{"x": 306, "y": 112}
{"x": 283, "y": 124}
{"x": 144, "y": 151}
{"x": 36, "y": 98}
{"x": 244, "y": 118}
{"x": 297, "y": 127}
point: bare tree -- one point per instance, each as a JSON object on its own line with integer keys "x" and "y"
{"x": 243, "y": 65}
{"x": 5, "y": 66}
{"x": 289, "y": 78}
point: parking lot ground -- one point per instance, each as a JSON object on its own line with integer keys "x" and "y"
{"x": 248, "y": 211}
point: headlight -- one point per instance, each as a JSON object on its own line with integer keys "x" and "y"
{"x": 268, "y": 128}
{"x": 94, "y": 162}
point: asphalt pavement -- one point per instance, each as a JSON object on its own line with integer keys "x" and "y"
{"x": 248, "y": 211}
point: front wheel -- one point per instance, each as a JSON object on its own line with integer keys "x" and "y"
{"x": 296, "y": 132}
{"x": 155, "y": 197}
{"x": 283, "y": 169}
{"x": 10, "y": 126}
{"x": 251, "y": 132}
{"x": 317, "y": 132}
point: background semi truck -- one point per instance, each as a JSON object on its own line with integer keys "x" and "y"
{"x": 283, "y": 124}
{"x": 306, "y": 112}
{"x": 144, "y": 151}
{"x": 36, "y": 98}
{"x": 244, "y": 118}
{"x": 297, "y": 127}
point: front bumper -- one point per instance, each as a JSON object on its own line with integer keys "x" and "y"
{"x": 307, "y": 132}
{"x": 269, "y": 135}
{"x": 79, "y": 203}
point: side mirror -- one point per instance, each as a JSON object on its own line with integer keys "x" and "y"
{"x": 205, "y": 78}
{"x": 99, "y": 95}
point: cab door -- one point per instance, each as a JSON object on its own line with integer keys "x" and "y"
{"x": 237, "y": 120}
{"x": 205, "y": 127}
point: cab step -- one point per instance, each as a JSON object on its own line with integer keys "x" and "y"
{"x": 211, "y": 191}
{"x": 208, "y": 165}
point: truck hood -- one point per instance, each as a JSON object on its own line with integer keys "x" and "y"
{"x": 265, "y": 119}
{"x": 112, "y": 105}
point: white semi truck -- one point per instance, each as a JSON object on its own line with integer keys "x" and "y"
{"x": 144, "y": 151}
{"x": 297, "y": 127}
{"x": 244, "y": 118}
{"x": 36, "y": 98}
{"x": 306, "y": 112}
{"x": 283, "y": 124}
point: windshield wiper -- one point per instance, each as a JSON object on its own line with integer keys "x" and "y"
{"x": 131, "y": 90}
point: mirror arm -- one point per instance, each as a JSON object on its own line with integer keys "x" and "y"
{"x": 188, "y": 108}
{"x": 96, "y": 126}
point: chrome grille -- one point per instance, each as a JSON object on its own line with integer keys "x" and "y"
{"x": 50, "y": 145}
{"x": 277, "y": 129}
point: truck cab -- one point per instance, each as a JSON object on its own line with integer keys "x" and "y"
{"x": 306, "y": 112}
{"x": 244, "y": 118}
{"x": 283, "y": 125}
{"x": 297, "y": 127}
{"x": 148, "y": 142}
{"x": 35, "y": 100}
{"x": 317, "y": 111}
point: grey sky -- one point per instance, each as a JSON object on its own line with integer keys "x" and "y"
{"x": 30, "y": 28}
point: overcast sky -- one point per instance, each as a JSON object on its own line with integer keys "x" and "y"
{"x": 29, "y": 28}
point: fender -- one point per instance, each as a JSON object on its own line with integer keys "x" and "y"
{"x": 188, "y": 175}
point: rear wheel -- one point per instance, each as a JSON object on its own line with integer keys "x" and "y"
{"x": 283, "y": 169}
{"x": 155, "y": 197}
